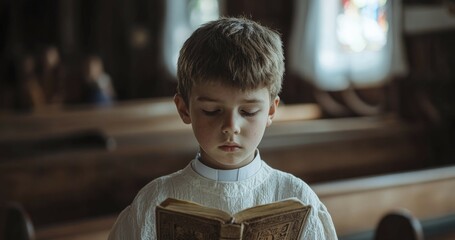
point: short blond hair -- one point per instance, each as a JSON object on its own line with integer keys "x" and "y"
{"x": 235, "y": 51}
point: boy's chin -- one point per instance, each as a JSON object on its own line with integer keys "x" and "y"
{"x": 233, "y": 163}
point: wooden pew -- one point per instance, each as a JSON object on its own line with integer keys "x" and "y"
{"x": 331, "y": 149}
{"x": 89, "y": 229}
{"x": 61, "y": 187}
{"x": 356, "y": 206}
{"x": 130, "y": 118}
{"x": 35, "y": 125}
{"x": 73, "y": 141}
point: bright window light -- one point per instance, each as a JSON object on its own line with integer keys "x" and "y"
{"x": 338, "y": 44}
{"x": 362, "y": 25}
{"x": 182, "y": 18}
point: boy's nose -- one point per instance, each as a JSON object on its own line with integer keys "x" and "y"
{"x": 231, "y": 125}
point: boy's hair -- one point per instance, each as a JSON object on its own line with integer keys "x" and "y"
{"x": 234, "y": 51}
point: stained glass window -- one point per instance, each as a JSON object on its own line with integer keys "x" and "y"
{"x": 339, "y": 44}
{"x": 362, "y": 25}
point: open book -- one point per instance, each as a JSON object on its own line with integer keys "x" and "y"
{"x": 284, "y": 220}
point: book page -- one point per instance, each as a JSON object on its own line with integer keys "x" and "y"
{"x": 285, "y": 226}
{"x": 196, "y": 209}
{"x": 269, "y": 209}
{"x": 283, "y": 220}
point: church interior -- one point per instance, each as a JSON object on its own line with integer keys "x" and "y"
{"x": 367, "y": 112}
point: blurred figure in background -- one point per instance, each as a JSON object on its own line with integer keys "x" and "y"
{"x": 52, "y": 76}
{"x": 32, "y": 95}
{"x": 23, "y": 90}
{"x": 98, "y": 87}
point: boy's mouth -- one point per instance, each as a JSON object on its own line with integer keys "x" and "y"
{"x": 230, "y": 147}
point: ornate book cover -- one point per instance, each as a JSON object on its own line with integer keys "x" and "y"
{"x": 282, "y": 220}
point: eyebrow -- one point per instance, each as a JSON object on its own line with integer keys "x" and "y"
{"x": 208, "y": 99}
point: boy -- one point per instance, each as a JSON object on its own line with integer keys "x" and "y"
{"x": 230, "y": 73}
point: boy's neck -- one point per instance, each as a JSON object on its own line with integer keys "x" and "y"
{"x": 202, "y": 158}
{"x": 230, "y": 175}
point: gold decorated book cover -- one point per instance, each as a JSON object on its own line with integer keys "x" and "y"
{"x": 283, "y": 220}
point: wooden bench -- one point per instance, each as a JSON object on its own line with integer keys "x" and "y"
{"x": 89, "y": 229}
{"x": 125, "y": 117}
{"x": 357, "y": 205}
{"x": 126, "y": 114}
{"x": 332, "y": 149}
{"x": 75, "y": 141}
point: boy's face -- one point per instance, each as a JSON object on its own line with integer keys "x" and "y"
{"x": 227, "y": 123}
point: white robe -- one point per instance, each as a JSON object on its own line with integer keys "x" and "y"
{"x": 267, "y": 185}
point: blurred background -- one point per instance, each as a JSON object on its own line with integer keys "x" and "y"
{"x": 87, "y": 119}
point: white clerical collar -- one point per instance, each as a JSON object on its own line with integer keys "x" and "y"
{"x": 231, "y": 175}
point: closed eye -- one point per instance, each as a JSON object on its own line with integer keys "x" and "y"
{"x": 211, "y": 113}
{"x": 248, "y": 114}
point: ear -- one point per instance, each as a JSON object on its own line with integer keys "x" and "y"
{"x": 182, "y": 108}
{"x": 272, "y": 110}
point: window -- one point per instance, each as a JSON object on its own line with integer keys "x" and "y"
{"x": 347, "y": 43}
{"x": 182, "y": 18}
{"x": 362, "y": 25}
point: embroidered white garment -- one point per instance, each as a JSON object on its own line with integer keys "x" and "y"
{"x": 266, "y": 185}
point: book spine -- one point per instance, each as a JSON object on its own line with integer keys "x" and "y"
{"x": 231, "y": 231}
